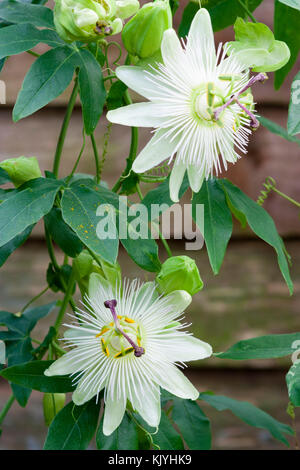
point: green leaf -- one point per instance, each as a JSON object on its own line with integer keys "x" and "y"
{"x": 24, "y": 323}
{"x": 19, "y": 38}
{"x": 291, "y": 3}
{"x": 47, "y": 78}
{"x": 91, "y": 89}
{"x": 187, "y": 17}
{"x": 79, "y": 206}
{"x": 19, "y": 348}
{"x": 286, "y": 28}
{"x": 256, "y": 47}
{"x": 262, "y": 347}
{"x": 217, "y": 221}
{"x": 250, "y": 414}
{"x": 293, "y": 124}
{"x": 293, "y": 383}
{"x": 161, "y": 195}
{"x": 115, "y": 95}
{"x": 125, "y": 437}
{"x": 26, "y": 206}
{"x": 143, "y": 252}
{"x": 17, "y": 353}
{"x": 44, "y": 346}
{"x": 278, "y": 130}
{"x": 166, "y": 437}
{"x": 31, "y": 375}
{"x": 4, "y": 176}
{"x": 62, "y": 234}
{"x": 2, "y": 352}
{"x": 223, "y": 13}
{"x": 193, "y": 425}
{"x": 7, "y": 249}
{"x": 260, "y": 222}
{"x": 73, "y": 427}
{"x": 16, "y": 12}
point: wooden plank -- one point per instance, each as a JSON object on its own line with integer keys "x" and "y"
{"x": 16, "y": 67}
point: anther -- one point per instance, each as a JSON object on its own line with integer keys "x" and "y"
{"x": 260, "y": 77}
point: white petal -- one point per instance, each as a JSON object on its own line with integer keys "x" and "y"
{"x": 67, "y": 364}
{"x": 189, "y": 348}
{"x": 174, "y": 381}
{"x": 171, "y": 48}
{"x": 201, "y": 32}
{"x": 137, "y": 79}
{"x": 71, "y": 333}
{"x": 179, "y": 300}
{"x": 150, "y": 409}
{"x": 195, "y": 178}
{"x": 147, "y": 289}
{"x": 113, "y": 415}
{"x": 158, "y": 149}
{"x": 81, "y": 395}
{"x": 138, "y": 114}
{"x": 95, "y": 281}
{"x": 176, "y": 178}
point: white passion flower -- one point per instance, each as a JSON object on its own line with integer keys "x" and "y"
{"x": 198, "y": 104}
{"x": 129, "y": 344}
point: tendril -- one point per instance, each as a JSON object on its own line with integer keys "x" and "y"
{"x": 269, "y": 185}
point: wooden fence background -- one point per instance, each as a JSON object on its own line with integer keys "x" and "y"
{"x": 248, "y": 298}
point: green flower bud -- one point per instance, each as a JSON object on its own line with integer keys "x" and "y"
{"x": 127, "y": 8}
{"x": 142, "y": 35}
{"x": 84, "y": 265}
{"x": 21, "y": 169}
{"x": 179, "y": 273}
{"x": 91, "y": 20}
{"x": 52, "y": 404}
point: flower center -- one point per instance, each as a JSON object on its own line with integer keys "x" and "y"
{"x": 204, "y": 100}
{"x": 122, "y": 336}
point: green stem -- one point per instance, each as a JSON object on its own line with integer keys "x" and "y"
{"x": 78, "y": 159}
{"x": 35, "y": 54}
{"x": 285, "y": 196}
{"x": 6, "y": 408}
{"x": 34, "y": 299}
{"x": 97, "y": 162}
{"x": 36, "y": 341}
{"x": 64, "y": 128}
{"x": 94, "y": 256}
{"x": 247, "y": 11}
{"x": 58, "y": 348}
{"x": 51, "y": 250}
{"x": 148, "y": 434}
{"x": 132, "y": 151}
{"x": 56, "y": 266}
{"x": 164, "y": 241}
{"x": 65, "y": 301}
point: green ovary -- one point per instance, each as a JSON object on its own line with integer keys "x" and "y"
{"x": 114, "y": 344}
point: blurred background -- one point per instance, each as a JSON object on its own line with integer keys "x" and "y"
{"x": 248, "y": 298}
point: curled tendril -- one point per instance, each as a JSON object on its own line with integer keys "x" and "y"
{"x": 269, "y": 185}
{"x": 107, "y": 46}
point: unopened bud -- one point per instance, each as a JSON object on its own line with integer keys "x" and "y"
{"x": 52, "y": 404}
{"x": 179, "y": 273}
{"x": 142, "y": 35}
{"x": 21, "y": 169}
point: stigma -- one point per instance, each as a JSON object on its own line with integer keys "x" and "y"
{"x": 121, "y": 327}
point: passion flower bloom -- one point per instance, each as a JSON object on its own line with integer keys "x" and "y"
{"x": 129, "y": 344}
{"x": 198, "y": 104}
